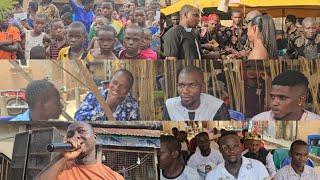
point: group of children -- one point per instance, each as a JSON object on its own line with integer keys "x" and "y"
{"x": 85, "y": 30}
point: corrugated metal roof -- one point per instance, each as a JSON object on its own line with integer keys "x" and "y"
{"x": 128, "y": 132}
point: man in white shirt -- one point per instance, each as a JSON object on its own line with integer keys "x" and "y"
{"x": 297, "y": 169}
{"x": 206, "y": 159}
{"x": 288, "y": 97}
{"x": 235, "y": 166}
{"x": 192, "y": 104}
{"x": 170, "y": 164}
{"x": 256, "y": 151}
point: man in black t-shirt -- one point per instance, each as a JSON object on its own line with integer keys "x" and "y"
{"x": 180, "y": 42}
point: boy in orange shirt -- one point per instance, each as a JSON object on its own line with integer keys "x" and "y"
{"x": 9, "y": 39}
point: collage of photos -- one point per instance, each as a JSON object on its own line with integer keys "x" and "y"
{"x": 159, "y": 90}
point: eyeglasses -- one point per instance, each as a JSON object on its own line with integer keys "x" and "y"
{"x": 228, "y": 148}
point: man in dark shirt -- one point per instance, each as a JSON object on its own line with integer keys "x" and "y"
{"x": 180, "y": 42}
{"x": 192, "y": 104}
{"x": 307, "y": 45}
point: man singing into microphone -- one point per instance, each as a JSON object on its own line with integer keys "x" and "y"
{"x": 80, "y": 163}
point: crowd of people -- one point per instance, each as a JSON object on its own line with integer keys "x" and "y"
{"x": 288, "y": 96}
{"x": 191, "y": 36}
{"x": 230, "y": 156}
{"x": 81, "y": 29}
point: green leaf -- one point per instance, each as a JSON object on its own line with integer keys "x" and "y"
{"x": 6, "y": 6}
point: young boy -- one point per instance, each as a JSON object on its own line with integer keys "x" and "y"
{"x": 99, "y": 22}
{"x": 32, "y": 11}
{"x": 132, "y": 42}
{"x": 106, "y": 39}
{"x": 67, "y": 19}
{"x": 83, "y": 13}
{"x": 36, "y": 37}
{"x": 170, "y": 164}
{"x": 145, "y": 47}
{"x": 107, "y": 8}
{"x": 76, "y": 35}
{"x": 140, "y": 17}
{"x": 9, "y": 39}
{"x": 38, "y": 52}
{"x": 58, "y": 40}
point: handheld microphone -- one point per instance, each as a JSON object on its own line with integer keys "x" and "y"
{"x": 60, "y": 147}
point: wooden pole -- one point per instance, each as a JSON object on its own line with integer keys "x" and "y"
{"x": 93, "y": 87}
{"x": 77, "y": 97}
{"x": 3, "y": 106}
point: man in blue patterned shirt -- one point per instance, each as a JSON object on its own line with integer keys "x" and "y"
{"x": 118, "y": 97}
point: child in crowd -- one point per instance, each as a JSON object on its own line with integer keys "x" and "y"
{"x": 97, "y": 24}
{"x": 106, "y": 39}
{"x": 58, "y": 40}
{"x": 83, "y": 12}
{"x": 76, "y": 35}
{"x": 140, "y": 17}
{"x": 36, "y": 37}
{"x": 38, "y": 52}
{"x": 145, "y": 47}
{"x": 67, "y": 19}
{"x": 132, "y": 42}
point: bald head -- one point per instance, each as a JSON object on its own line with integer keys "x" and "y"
{"x": 309, "y": 27}
{"x": 252, "y": 14}
{"x": 307, "y": 21}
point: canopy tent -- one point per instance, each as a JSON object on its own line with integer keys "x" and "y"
{"x": 277, "y": 3}
{"x": 276, "y": 8}
{"x": 197, "y": 3}
{"x": 282, "y": 8}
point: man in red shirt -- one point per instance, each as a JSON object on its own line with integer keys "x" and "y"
{"x": 9, "y": 39}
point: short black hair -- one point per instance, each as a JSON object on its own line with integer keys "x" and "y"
{"x": 174, "y": 128}
{"x": 128, "y": 74}
{"x": 109, "y": 1}
{"x": 191, "y": 69}
{"x": 235, "y": 11}
{"x": 177, "y": 14}
{"x": 172, "y": 144}
{"x": 185, "y": 9}
{"x": 33, "y": 5}
{"x": 67, "y": 15}
{"x": 38, "y": 91}
{"x": 227, "y": 133}
{"x": 134, "y": 26}
{"x": 38, "y": 52}
{"x": 66, "y": 8}
{"x": 202, "y": 134}
{"x": 109, "y": 28}
{"x": 291, "y": 78}
{"x": 297, "y": 143}
{"x": 291, "y": 18}
{"x": 55, "y": 20}
{"x": 86, "y": 1}
{"x": 78, "y": 24}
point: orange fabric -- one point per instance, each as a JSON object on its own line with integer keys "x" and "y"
{"x": 96, "y": 171}
{"x": 12, "y": 34}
